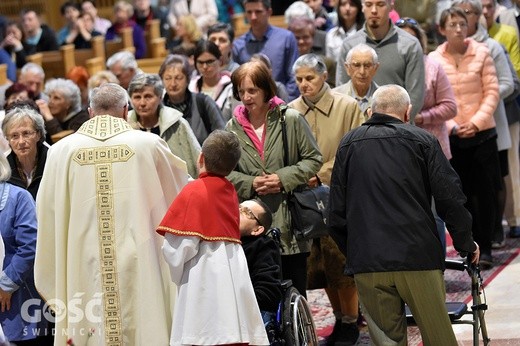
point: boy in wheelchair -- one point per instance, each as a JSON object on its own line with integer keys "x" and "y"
{"x": 263, "y": 257}
{"x": 285, "y": 312}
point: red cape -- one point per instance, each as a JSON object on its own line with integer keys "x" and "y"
{"x": 207, "y": 208}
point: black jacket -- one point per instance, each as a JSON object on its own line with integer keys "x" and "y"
{"x": 17, "y": 180}
{"x": 46, "y": 43}
{"x": 264, "y": 263}
{"x": 383, "y": 180}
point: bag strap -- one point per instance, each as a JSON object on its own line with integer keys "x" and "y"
{"x": 284, "y": 138}
{"x": 201, "y": 105}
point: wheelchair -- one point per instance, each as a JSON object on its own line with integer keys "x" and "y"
{"x": 457, "y": 310}
{"x": 293, "y": 325}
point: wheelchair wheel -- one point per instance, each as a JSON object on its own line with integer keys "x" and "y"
{"x": 298, "y": 325}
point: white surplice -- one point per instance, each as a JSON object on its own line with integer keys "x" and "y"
{"x": 104, "y": 191}
{"x": 216, "y": 304}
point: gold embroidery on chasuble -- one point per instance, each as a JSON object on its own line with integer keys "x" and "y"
{"x": 102, "y": 158}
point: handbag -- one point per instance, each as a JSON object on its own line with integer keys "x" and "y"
{"x": 308, "y": 205}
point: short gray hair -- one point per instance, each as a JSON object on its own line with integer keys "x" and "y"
{"x": 298, "y": 9}
{"x": 125, "y": 58}
{"x": 390, "y": 99}
{"x": 142, "y": 80}
{"x": 476, "y": 5}
{"x": 17, "y": 114}
{"x": 311, "y": 61}
{"x": 362, "y": 48}
{"x": 33, "y": 68}
{"x": 5, "y": 169}
{"x": 108, "y": 99}
{"x": 68, "y": 89}
{"x": 123, "y": 5}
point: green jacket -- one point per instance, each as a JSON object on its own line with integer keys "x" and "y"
{"x": 177, "y": 133}
{"x": 304, "y": 158}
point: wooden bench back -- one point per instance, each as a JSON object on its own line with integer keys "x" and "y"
{"x": 124, "y": 43}
{"x": 3, "y": 74}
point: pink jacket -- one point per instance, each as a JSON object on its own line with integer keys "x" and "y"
{"x": 439, "y": 103}
{"x": 474, "y": 83}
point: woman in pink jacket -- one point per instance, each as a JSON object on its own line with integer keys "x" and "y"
{"x": 472, "y": 75}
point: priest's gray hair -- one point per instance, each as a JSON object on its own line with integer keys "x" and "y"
{"x": 5, "y": 169}
{"x": 312, "y": 61}
{"x": 108, "y": 98}
{"x": 390, "y": 99}
{"x": 362, "y": 48}
{"x": 142, "y": 80}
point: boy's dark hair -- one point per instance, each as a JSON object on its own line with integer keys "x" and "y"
{"x": 266, "y": 217}
{"x": 266, "y": 3}
{"x": 221, "y": 152}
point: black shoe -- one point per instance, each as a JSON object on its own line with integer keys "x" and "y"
{"x": 485, "y": 262}
{"x": 331, "y": 339}
{"x": 514, "y": 232}
{"x": 347, "y": 335}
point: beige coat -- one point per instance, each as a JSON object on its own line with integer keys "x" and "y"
{"x": 334, "y": 115}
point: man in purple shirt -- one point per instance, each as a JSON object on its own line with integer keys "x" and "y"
{"x": 277, "y": 43}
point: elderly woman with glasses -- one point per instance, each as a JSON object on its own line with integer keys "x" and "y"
{"x": 149, "y": 114}
{"x": 20, "y": 303}
{"x": 24, "y": 129}
{"x": 63, "y": 111}
{"x": 473, "y": 136}
{"x": 330, "y": 115}
{"x": 200, "y": 110}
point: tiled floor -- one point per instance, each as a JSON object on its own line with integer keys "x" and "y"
{"x": 503, "y": 314}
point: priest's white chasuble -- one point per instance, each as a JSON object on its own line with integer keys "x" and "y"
{"x": 98, "y": 262}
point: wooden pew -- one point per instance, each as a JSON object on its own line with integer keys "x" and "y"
{"x": 3, "y": 74}
{"x": 81, "y": 56}
{"x": 150, "y": 65}
{"x": 56, "y": 64}
{"x": 155, "y": 44}
{"x": 241, "y": 26}
{"x": 124, "y": 43}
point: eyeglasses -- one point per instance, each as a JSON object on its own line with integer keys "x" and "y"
{"x": 15, "y": 137}
{"x": 462, "y": 25}
{"x": 403, "y": 21}
{"x": 249, "y": 213}
{"x": 209, "y": 62}
{"x": 358, "y": 65}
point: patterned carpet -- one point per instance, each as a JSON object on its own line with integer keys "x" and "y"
{"x": 458, "y": 288}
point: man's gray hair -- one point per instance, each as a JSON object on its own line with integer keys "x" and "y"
{"x": 68, "y": 89}
{"x": 312, "y": 61}
{"x": 390, "y": 99}
{"x": 18, "y": 114}
{"x": 108, "y": 99}
{"x": 142, "y": 80}
{"x": 476, "y": 5}
{"x": 298, "y": 9}
{"x": 362, "y": 48}
{"x": 33, "y": 68}
{"x": 126, "y": 59}
{"x": 5, "y": 169}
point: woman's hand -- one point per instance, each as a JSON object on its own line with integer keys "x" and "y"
{"x": 467, "y": 130}
{"x": 5, "y": 300}
{"x": 313, "y": 182}
{"x": 44, "y": 110}
{"x": 267, "y": 184}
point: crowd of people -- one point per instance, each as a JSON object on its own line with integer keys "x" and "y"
{"x": 410, "y": 113}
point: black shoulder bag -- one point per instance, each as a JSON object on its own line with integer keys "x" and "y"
{"x": 308, "y": 206}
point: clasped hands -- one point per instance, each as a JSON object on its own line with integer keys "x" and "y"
{"x": 266, "y": 184}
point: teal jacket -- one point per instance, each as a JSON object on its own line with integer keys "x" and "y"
{"x": 304, "y": 158}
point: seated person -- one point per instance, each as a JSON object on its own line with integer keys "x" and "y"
{"x": 263, "y": 256}
{"x": 37, "y": 37}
